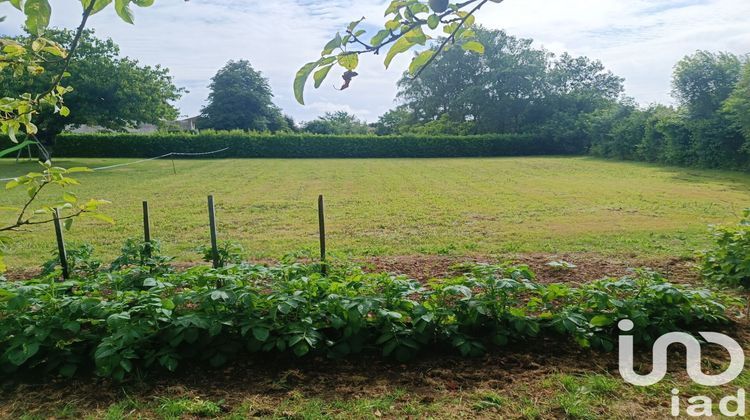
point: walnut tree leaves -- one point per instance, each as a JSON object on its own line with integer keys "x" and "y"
{"x": 404, "y": 30}
{"x": 16, "y": 114}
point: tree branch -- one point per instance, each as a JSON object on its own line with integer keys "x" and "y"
{"x": 28, "y": 203}
{"x": 71, "y": 51}
{"x": 395, "y": 37}
{"x": 450, "y": 38}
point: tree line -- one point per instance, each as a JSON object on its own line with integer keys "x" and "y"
{"x": 710, "y": 126}
{"x": 512, "y": 88}
{"x": 516, "y": 88}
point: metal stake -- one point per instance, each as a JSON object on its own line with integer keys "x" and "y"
{"x": 322, "y": 231}
{"x": 61, "y": 245}
{"x": 212, "y": 227}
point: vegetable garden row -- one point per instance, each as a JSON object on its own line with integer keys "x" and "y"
{"x": 139, "y": 315}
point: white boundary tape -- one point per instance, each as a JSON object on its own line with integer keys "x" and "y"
{"x": 103, "y": 168}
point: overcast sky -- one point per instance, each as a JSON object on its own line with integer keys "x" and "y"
{"x": 639, "y": 40}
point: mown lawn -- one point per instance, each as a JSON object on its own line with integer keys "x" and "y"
{"x": 402, "y": 206}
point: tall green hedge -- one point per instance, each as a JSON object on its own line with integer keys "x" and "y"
{"x": 251, "y": 145}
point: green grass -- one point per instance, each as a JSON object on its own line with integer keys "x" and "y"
{"x": 402, "y": 206}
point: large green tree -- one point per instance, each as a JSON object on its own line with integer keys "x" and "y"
{"x": 738, "y": 104}
{"x": 704, "y": 80}
{"x": 108, "y": 90}
{"x": 337, "y": 123}
{"x": 511, "y": 88}
{"x": 706, "y": 129}
{"x": 702, "y": 83}
{"x": 241, "y": 99}
{"x": 498, "y": 91}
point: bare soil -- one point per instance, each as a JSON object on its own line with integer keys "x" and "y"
{"x": 589, "y": 266}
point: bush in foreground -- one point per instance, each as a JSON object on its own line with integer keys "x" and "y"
{"x": 728, "y": 262}
{"x": 144, "y": 318}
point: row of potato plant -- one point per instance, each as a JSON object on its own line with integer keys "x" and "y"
{"x": 139, "y": 315}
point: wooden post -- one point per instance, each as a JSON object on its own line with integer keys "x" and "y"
{"x": 61, "y": 245}
{"x": 174, "y": 168}
{"x": 212, "y": 227}
{"x": 322, "y": 231}
{"x": 146, "y": 230}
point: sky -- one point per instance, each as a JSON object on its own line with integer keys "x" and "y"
{"x": 639, "y": 40}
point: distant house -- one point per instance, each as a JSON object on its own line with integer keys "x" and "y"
{"x": 188, "y": 124}
{"x": 91, "y": 129}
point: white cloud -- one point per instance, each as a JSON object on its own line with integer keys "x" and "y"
{"x": 638, "y": 39}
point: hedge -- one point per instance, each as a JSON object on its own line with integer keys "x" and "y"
{"x": 253, "y": 145}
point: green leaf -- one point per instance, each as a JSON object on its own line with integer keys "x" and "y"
{"x": 37, "y": 15}
{"x": 300, "y": 79}
{"x": 354, "y": 24}
{"x": 69, "y": 197}
{"x": 332, "y": 45}
{"x": 601, "y": 320}
{"x": 16, "y": 4}
{"x": 19, "y": 355}
{"x": 474, "y": 46}
{"x": 400, "y": 46}
{"x": 416, "y": 36}
{"x": 68, "y": 224}
{"x": 380, "y": 37}
{"x": 321, "y": 74}
{"x": 301, "y": 349}
{"x": 433, "y": 21}
{"x": 419, "y": 61}
{"x": 17, "y": 147}
{"x": 99, "y": 5}
{"x": 122, "y": 7}
{"x": 261, "y": 334}
{"x": 72, "y": 326}
{"x": 348, "y": 61}
{"x": 13, "y": 183}
{"x": 168, "y": 362}
{"x": 12, "y": 134}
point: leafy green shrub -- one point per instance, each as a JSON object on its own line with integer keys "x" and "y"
{"x": 118, "y": 326}
{"x": 141, "y": 254}
{"x": 228, "y": 252}
{"x": 287, "y": 145}
{"x": 81, "y": 262}
{"x": 728, "y": 263}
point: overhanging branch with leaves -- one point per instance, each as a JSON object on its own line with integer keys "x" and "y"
{"x": 407, "y": 27}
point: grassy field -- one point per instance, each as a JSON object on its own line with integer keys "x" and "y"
{"x": 403, "y": 206}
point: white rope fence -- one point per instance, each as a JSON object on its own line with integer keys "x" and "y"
{"x": 119, "y": 165}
